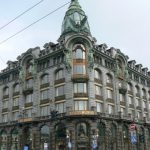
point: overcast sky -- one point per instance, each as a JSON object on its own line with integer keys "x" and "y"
{"x": 123, "y": 24}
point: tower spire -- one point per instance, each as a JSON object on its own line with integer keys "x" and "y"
{"x": 75, "y": 20}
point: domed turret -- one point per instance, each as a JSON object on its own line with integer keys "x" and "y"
{"x": 75, "y": 20}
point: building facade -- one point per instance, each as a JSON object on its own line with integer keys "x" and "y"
{"x": 74, "y": 95}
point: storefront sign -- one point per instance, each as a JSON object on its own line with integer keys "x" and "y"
{"x": 132, "y": 127}
{"x": 74, "y": 113}
{"x": 25, "y": 120}
{"x": 45, "y": 146}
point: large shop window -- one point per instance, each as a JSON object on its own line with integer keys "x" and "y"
{"x": 81, "y": 105}
{"x": 80, "y": 88}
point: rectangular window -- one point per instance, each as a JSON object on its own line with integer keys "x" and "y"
{"x": 79, "y": 69}
{"x": 132, "y": 112}
{"x": 110, "y": 109}
{"x": 80, "y": 88}
{"x": 80, "y": 105}
{"x": 130, "y": 100}
{"x": 16, "y": 101}
{"x": 109, "y": 94}
{"x": 99, "y": 107}
{"x": 15, "y": 115}
{"x": 139, "y": 115}
{"x": 122, "y": 111}
{"x": 5, "y": 117}
{"x": 137, "y": 102}
{"x": 59, "y": 74}
{"x": 44, "y": 94}
{"x": 122, "y": 97}
{"x": 144, "y": 104}
{"x": 60, "y": 107}
{"x": 45, "y": 111}
{"x": 5, "y": 104}
{"x": 59, "y": 91}
{"x": 29, "y": 83}
{"x": 29, "y": 98}
{"x": 98, "y": 90}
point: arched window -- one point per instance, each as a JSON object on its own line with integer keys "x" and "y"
{"x": 16, "y": 88}
{"x": 130, "y": 87}
{"x": 82, "y": 130}
{"x": 29, "y": 83}
{"x": 6, "y": 91}
{"x": 102, "y": 132}
{"x": 137, "y": 91}
{"x": 3, "y": 140}
{"x": 44, "y": 79}
{"x": 59, "y": 74}
{"x": 97, "y": 74}
{"x": 79, "y": 52}
{"x": 109, "y": 78}
{"x": 29, "y": 67}
{"x": 45, "y": 137}
{"x": 14, "y": 140}
{"x": 113, "y": 143}
{"x": 143, "y": 93}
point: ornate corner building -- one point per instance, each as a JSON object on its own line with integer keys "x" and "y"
{"x": 74, "y": 95}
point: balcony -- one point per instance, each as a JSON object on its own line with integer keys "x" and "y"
{"x": 139, "y": 108}
{"x": 122, "y": 90}
{"x": 145, "y": 109}
{"x": 99, "y": 97}
{"x": 28, "y": 90}
{"x": 4, "y": 110}
{"x": 130, "y": 92}
{"x": 44, "y": 85}
{"x": 59, "y": 81}
{"x": 131, "y": 105}
{"x": 123, "y": 103}
{"x": 15, "y": 107}
{"x": 62, "y": 97}
{"x": 98, "y": 81}
{"x": 109, "y": 100}
{"x": 144, "y": 97}
{"x": 76, "y": 95}
{"x": 16, "y": 93}
{"x": 137, "y": 95}
{"x": 28, "y": 76}
{"x": 44, "y": 101}
{"x": 29, "y": 104}
{"x": 5, "y": 96}
{"x": 109, "y": 85}
{"x": 80, "y": 77}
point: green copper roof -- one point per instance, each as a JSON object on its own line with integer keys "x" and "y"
{"x": 75, "y": 19}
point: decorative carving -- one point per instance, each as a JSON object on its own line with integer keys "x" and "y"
{"x": 90, "y": 59}
{"x": 67, "y": 59}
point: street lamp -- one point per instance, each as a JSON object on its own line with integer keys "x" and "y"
{"x": 94, "y": 139}
{"x": 69, "y": 145}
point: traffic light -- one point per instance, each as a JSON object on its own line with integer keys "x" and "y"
{"x": 141, "y": 138}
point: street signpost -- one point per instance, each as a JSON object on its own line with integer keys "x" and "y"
{"x": 133, "y": 137}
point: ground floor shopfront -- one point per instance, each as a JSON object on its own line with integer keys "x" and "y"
{"x": 76, "y": 133}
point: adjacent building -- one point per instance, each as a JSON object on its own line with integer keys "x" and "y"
{"x": 74, "y": 94}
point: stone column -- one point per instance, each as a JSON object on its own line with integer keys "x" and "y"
{"x": 35, "y": 138}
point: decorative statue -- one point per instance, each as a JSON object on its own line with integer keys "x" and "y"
{"x": 91, "y": 58}
{"x": 21, "y": 74}
{"x": 67, "y": 60}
